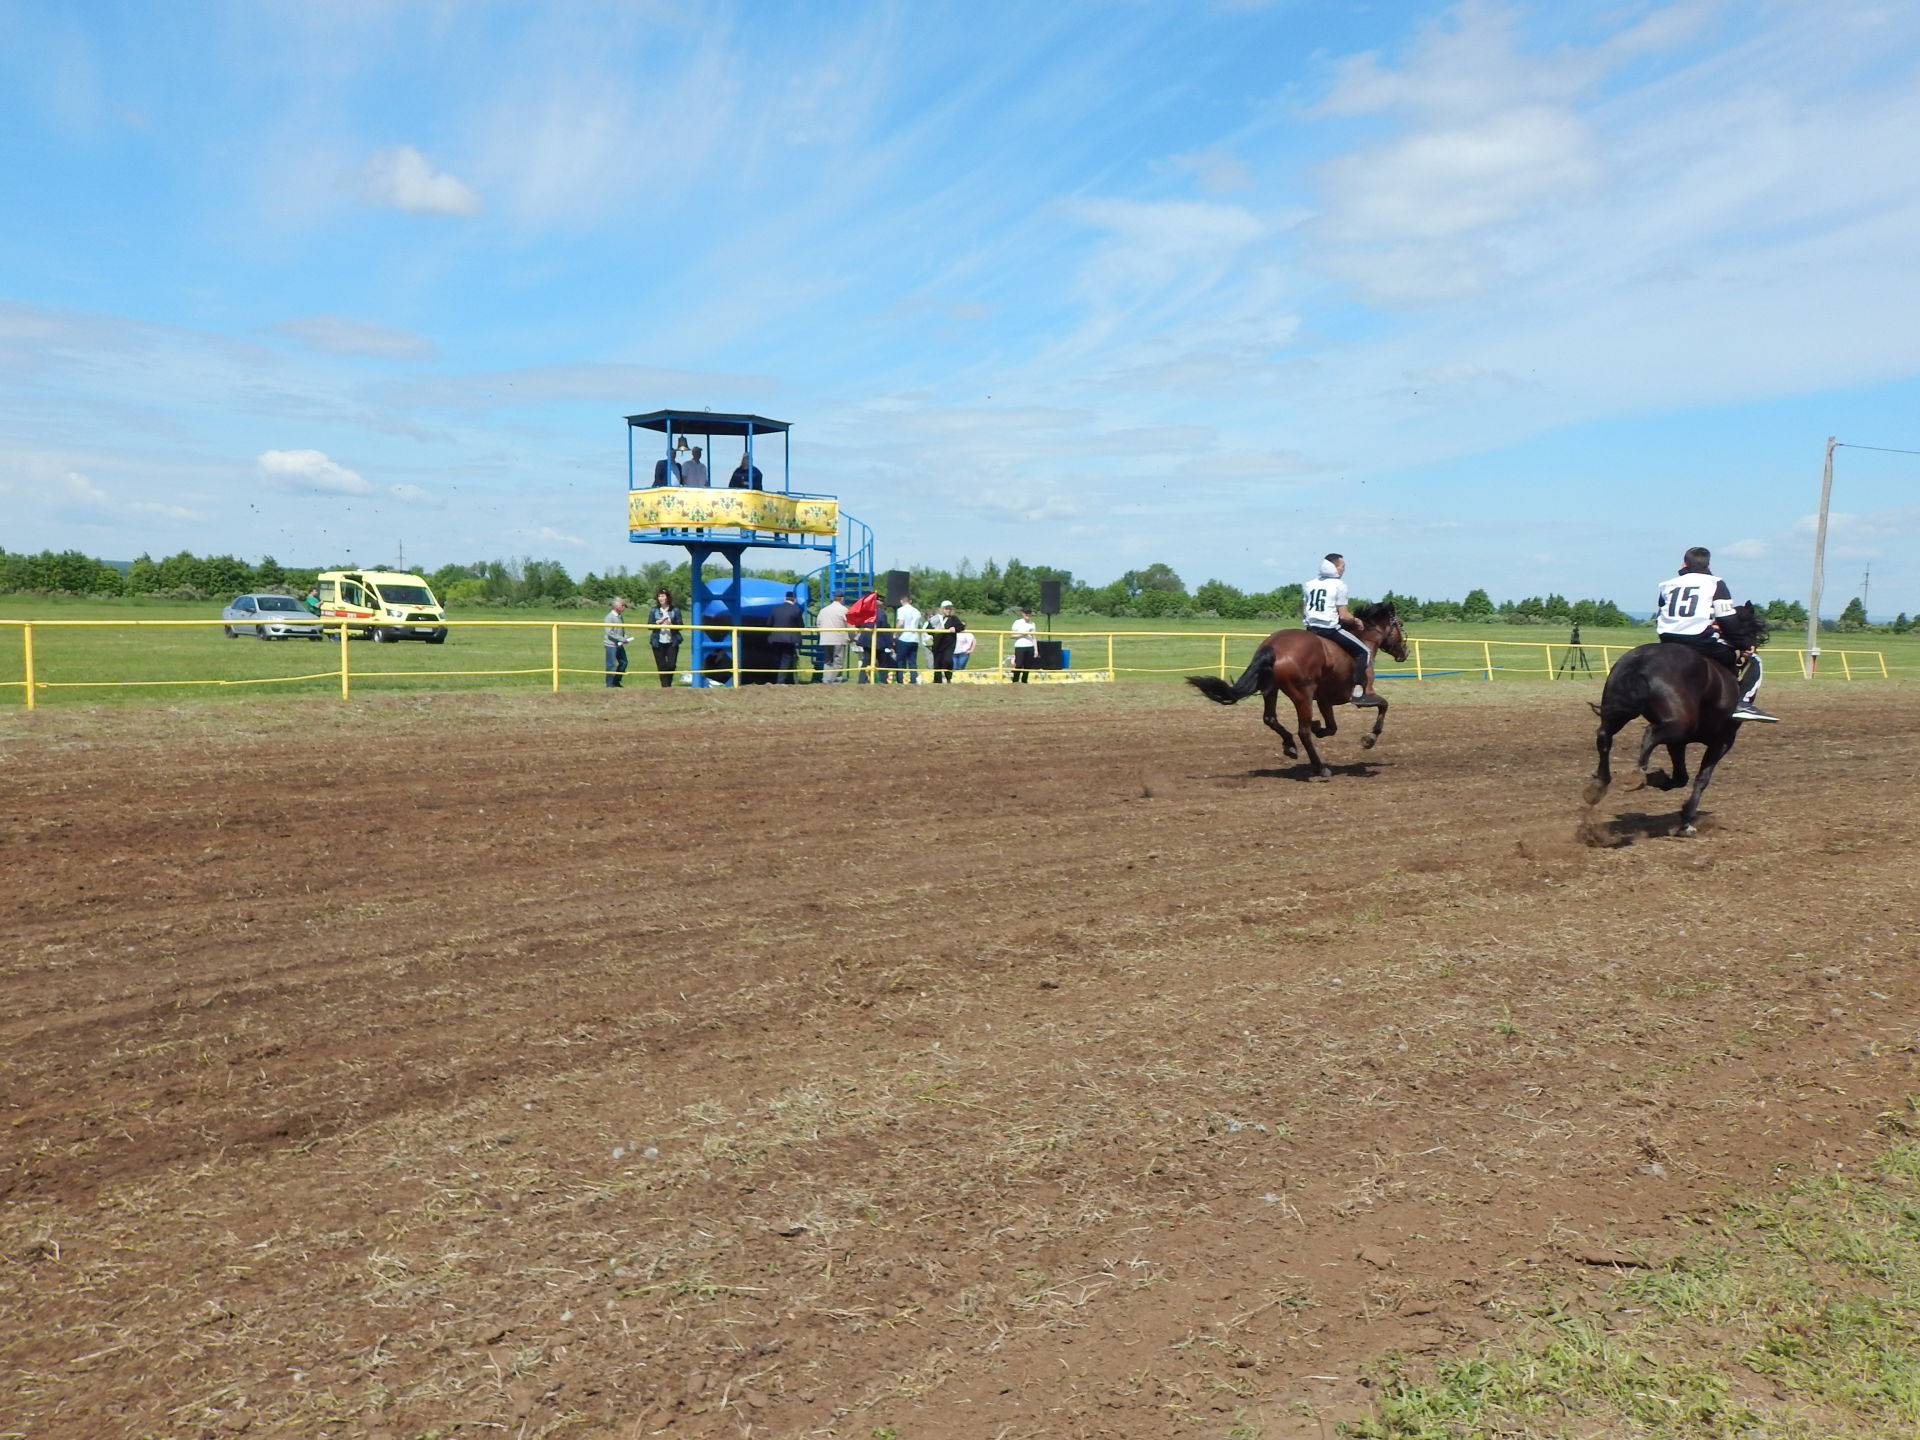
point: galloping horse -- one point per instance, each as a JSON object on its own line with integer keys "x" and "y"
{"x": 1686, "y": 699}
{"x": 1311, "y": 670}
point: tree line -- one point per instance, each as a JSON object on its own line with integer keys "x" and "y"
{"x": 1154, "y": 592}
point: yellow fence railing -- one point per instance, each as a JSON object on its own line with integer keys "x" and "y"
{"x": 1098, "y": 655}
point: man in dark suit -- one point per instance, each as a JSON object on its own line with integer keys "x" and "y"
{"x": 783, "y": 638}
{"x": 745, "y": 476}
{"x": 665, "y": 472}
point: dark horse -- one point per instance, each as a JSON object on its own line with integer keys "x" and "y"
{"x": 1312, "y": 670}
{"x": 1686, "y": 699}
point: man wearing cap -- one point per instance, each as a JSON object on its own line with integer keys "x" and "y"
{"x": 783, "y": 638}
{"x": 942, "y": 630}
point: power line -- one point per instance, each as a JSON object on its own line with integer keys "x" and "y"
{"x": 1884, "y": 449}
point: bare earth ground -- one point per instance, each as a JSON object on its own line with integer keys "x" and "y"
{"x": 967, "y": 1064}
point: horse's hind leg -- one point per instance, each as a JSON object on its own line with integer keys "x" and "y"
{"x": 1657, "y": 736}
{"x": 1603, "y": 773}
{"x": 1272, "y": 722}
{"x": 1303, "y": 711}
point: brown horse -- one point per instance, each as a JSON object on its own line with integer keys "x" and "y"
{"x": 1313, "y": 671}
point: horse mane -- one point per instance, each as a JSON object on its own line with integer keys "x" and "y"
{"x": 1380, "y": 614}
{"x": 1746, "y": 628}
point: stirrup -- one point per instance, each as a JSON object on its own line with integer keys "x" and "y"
{"x": 1369, "y": 701}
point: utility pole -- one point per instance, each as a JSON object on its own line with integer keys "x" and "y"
{"x": 1866, "y": 589}
{"x": 1819, "y": 561}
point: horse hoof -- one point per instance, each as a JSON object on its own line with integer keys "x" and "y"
{"x": 1595, "y": 789}
{"x": 1367, "y": 742}
{"x": 1322, "y": 774}
{"x": 1686, "y": 830}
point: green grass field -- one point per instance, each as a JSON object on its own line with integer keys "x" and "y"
{"x": 125, "y": 656}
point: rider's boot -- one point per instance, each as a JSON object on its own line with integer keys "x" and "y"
{"x": 1744, "y": 708}
{"x": 1363, "y": 695}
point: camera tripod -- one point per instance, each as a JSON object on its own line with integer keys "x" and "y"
{"x": 1574, "y": 658}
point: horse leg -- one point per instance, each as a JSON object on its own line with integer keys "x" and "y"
{"x": 1271, "y": 697}
{"x": 1303, "y": 711}
{"x": 1603, "y": 773}
{"x": 1326, "y": 725}
{"x": 1677, "y": 757}
{"x": 1657, "y": 736}
{"x": 1690, "y": 812}
{"x": 1372, "y": 737}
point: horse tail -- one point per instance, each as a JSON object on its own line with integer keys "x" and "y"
{"x": 1252, "y": 680}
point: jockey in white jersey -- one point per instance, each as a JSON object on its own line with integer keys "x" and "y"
{"x": 1324, "y": 601}
{"x": 1689, "y": 611}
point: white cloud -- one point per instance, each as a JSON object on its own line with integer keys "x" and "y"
{"x": 553, "y": 536}
{"x": 403, "y": 179}
{"x": 81, "y": 493}
{"x": 414, "y": 495}
{"x": 336, "y": 335}
{"x": 1748, "y": 549}
{"x": 1214, "y": 170}
{"x": 309, "y": 471}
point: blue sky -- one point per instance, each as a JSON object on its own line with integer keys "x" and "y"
{"x": 1523, "y": 296}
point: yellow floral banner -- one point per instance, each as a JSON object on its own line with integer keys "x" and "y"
{"x": 684, "y": 507}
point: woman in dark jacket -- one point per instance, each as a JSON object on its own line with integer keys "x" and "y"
{"x": 665, "y": 620}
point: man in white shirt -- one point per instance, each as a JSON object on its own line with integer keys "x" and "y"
{"x": 1025, "y": 649}
{"x": 694, "y": 471}
{"x": 1324, "y": 601}
{"x": 835, "y": 636}
{"x": 906, "y": 641}
{"x": 1688, "y": 612}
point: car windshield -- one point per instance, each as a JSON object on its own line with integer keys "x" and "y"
{"x": 407, "y": 594}
{"x": 281, "y": 602}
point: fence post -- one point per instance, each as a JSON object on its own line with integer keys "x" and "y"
{"x": 1486, "y": 654}
{"x": 1846, "y": 670}
{"x": 1114, "y": 674}
{"x": 346, "y": 693}
{"x": 26, "y": 656}
{"x": 1223, "y": 657}
{"x": 999, "y": 653}
{"x": 1882, "y": 655}
{"x": 1547, "y": 650}
{"x": 733, "y": 637}
{"x": 556, "y": 658}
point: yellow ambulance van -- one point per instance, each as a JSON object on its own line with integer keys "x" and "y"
{"x": 391, "y": 606}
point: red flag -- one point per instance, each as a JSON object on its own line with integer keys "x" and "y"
{"x": 865, "y": 610}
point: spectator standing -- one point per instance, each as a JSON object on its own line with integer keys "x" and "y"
{"x": 665, "y": 618}
{"x": 745, "y": 476}
{"x": 834, "y": 639}
{"x": 963, "y": 644}
{"x": 906, "y": 641}
{"x": 694, "y": 471}
{"x": 783, "y": 638}
{"x": 617, "y": 639}
{"x": 666, "y": 472}
{"x": 942, "y": 630}
{"x": 312, "y": 600}
{"x": 1025, "y": 648}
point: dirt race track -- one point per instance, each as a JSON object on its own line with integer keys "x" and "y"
{"x": 938, "y": 1064}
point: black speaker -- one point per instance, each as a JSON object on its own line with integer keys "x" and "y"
{"x": 1049, "y": 656}
{"x": 898, "y": 582}
{"x": 1049, "y": 597}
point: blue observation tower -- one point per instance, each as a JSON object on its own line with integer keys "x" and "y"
{"x": 748, "y": 505}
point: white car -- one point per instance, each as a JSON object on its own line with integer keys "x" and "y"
{"x": 271, "y": 617}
